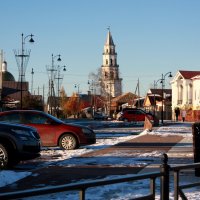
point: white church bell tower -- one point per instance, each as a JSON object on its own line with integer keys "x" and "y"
{"x": 111, "y": 82}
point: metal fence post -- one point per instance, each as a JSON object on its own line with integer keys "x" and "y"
{"x": 164, "y": 180}
{"x": 82, "y": 194}
{"x": 196, "y": 145}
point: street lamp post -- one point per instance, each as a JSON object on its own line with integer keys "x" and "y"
{"x": 78, "y": 86}
{"x": 92, "y": 88}
{"x": 155, "y": 86}
{"x": 23, "y": 56}
{"x": 163, "y": 85}
{"x": 52, "y": 71}
{"x": 59, "y": 77}
{"x": 32, "y": 73}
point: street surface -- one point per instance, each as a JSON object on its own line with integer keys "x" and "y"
{"x": 54, "y": 155}
{"x": 119, "y": 151}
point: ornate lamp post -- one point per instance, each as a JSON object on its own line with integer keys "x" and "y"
{"x": 163, "y": 85}
{"x": 52, "y": 71}
{"x": 59, "y": 77}
{"x": 24, "y": 60}
{"x": 92, "y": 88}
{"x": 155, "y": 86}
{"x": 32, "y": 73}
{"x": 78, "y": 93}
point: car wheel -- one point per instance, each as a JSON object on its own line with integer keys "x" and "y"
{"x": 68, "y": 141}
{"x": 8, "y": 158}
{"x": 3, "y": 157}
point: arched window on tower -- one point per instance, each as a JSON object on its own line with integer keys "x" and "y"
{"x": 106, "y": 61}
{"x": 106, "y": 75}
{"x": 117, "y": 74}
{"x": 111, "y": 75}
{"x": 111, "y": 62}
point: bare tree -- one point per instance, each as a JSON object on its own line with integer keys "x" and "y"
{"x": 97, "y": 81}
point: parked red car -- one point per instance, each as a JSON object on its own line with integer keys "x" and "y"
{"x": 134, "y": 115}
{"x": 52, "y": 131}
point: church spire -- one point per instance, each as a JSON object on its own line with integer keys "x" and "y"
{"x": 111, "y": 81}
{"x": 109, "y": 40}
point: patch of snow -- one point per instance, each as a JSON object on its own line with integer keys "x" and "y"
{"x": 7, "y": 176}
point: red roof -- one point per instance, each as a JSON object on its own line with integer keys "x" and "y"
{"x": 189, "y": 74}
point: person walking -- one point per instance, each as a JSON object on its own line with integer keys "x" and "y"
{"x": 177, "y": 113}
{"x": 183, "y": 114}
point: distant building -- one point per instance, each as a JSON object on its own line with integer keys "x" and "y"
{"x": 11, "y": 91}
{"x": 124, "y": 100}
{"x": 153, "y": 102}
{"x": 110, "y": 79}
{"x": 186, "y": 93}
{"x": 6, "y": 76}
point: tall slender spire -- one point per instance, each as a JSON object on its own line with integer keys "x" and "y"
{"x": 111, "y": 81}
{"x": 109, "y": 40}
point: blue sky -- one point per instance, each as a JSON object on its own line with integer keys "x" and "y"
{"x": 151, "y": 37}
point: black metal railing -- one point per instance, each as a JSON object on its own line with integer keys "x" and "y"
{"x": 84, "y": 186}
{"x": 178, "y": 189}
{"x": 164, "y": 176}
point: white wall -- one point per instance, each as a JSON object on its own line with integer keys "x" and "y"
{"x": 190, "y": 95}
{"x": 196, "y": 94}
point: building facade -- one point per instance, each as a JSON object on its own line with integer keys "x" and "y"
{"x": 186, "y": 93}
{"x": 158, "y": 100}
{"x": 111, "y": 82}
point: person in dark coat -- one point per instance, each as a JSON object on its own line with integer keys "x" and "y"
{"x": 177, "y": 113}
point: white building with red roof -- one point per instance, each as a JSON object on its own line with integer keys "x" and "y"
{"x": 186, "y": 93}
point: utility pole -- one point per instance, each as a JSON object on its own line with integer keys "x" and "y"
{"x": 78, "y": 93}
{"x": 52, "y": 72}
{"x": 32, "y": 73}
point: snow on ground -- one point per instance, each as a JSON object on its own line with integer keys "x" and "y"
{"x": 107, "y": 137}
{"x": 7, "y": 176}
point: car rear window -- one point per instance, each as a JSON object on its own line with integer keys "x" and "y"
{"x": 12, "y": 117}
{"x": 33, "y": 118}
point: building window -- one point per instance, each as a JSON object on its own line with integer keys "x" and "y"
{"x": 180, "y": 94}
{"x": 106, "y": 75}
{"x": 111, "y": 75}
{"x": 195, "y": 95}
{"x": 190, "y": 94}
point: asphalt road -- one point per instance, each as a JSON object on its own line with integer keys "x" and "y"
{"x": 54, "y": 158}
{"x": 56, "y": 174}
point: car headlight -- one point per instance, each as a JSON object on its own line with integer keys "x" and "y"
{"x": 87, "y": 131}
{"x": 23, "y": 134}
